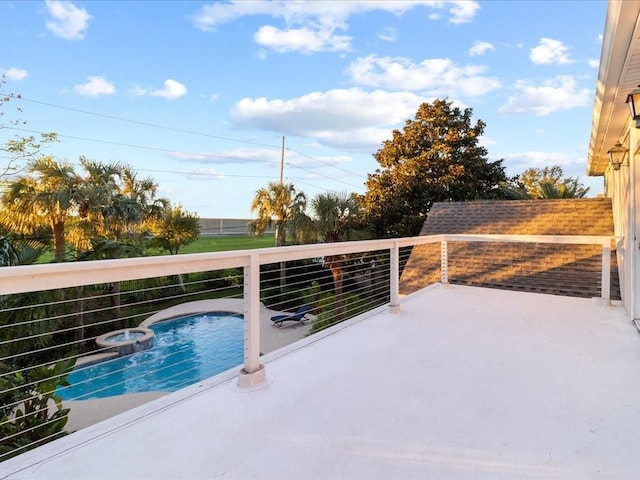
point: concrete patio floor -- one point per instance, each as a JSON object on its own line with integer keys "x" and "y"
{"x": 462, "y": 383}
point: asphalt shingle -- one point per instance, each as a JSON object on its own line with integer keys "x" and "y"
{"x": 572, "y": 270}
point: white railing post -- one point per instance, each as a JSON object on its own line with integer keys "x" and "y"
{"x": 606, "y": 271}
{"x": 444, "y": 263}
{"x": 394, "y": 260}
{"x": 253, "y": 372}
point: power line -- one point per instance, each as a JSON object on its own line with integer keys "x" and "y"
{"x": 147, "y": 124}
{"x": 325, "y": 163}
{"x": 130, "y": 145}
{"x": 325, "y": 176}
{"x": 173, "y": 129}
{"x": 203, "y": 174}
{"x": 180, "y": 152}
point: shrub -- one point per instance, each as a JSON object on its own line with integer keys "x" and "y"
{"x": 32, "y": 413}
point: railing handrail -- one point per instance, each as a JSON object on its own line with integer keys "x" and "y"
{"x": 19, "y": 279}
{"x": 483, "y": 237}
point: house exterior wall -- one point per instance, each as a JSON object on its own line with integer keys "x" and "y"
{"x": 623, "y": 188}
{"x": 618, "y": 75}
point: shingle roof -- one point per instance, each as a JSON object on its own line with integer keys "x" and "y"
{"x": 572, "y": 270}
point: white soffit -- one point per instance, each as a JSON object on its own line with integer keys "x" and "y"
{"x": 618, "y": 75}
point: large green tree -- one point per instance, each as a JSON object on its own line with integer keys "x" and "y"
{"x": 436, "y": 157}
{"x": 175, "y": 228}
{"x": 276, "y": 205}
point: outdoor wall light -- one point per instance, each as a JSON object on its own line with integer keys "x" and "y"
{"x": 616, "y": 155}
{"x": 633, "y": 100}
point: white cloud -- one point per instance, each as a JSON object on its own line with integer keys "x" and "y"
{"x": 258, "y": 156}
{"x": 388, "y": 34}
{"x": 480, "y": 48}
{"x": 95, "y": 86}
{"x": 461, "y": 11}
{"x": 66, "y": 20}
{"x": 312, "y": 26}
{"x": 214, "y": 14}
{"x": 200, "y": 174}
{"x": 559, "y": 93}
{"x": 13, "y": 73}
{"x": 239, "y": 155}
{"x": 437, "y": 76}
{"x": 344, "y": 118}
{"x": 540, "y": 159}
{"x": 594, "y": 62}
{"x": 203, "y": 174}
{"x": 303, "y": 39}
{"x": 485, "y": 141}
{"x": 171, "y": 90}
{"x": 550, "y": 51}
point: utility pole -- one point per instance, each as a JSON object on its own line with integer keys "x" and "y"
{"x": 282, "y": 161}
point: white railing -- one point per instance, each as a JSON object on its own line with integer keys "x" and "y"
{"x": 25, "y": 279}
{"x": 603, "y": 241}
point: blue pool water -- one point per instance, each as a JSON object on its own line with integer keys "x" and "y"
{"x": 185, "y": 351}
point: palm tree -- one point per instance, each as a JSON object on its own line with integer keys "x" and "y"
{"x": 113, "y": 204}
{"x": 9, "y": 254}
{"x": 117, "y": 205}
{"x": 276, "y": 205}
{"x": 47, "y": 195}
{"x": 543, "y": 183}
{"x": 570, "y": 188}
{"x": 98, "y": 189}
{"x": 19, "y": 251}
{"x": 137, "y": 202}
{"x": 334, "y": 219}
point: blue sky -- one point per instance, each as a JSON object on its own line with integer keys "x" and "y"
{"x": 198, "y": 95}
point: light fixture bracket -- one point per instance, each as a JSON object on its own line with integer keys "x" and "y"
{"x": 633, "y": 100}
{"x": 616, "y": 154}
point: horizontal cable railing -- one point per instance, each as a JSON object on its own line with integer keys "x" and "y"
{"x": 73, "y": 332}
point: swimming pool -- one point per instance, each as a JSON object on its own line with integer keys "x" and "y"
{"x": 186, "y": 350}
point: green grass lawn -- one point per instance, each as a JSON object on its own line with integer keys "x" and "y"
{"x": 206, "y": 244}
{"x": 226, "y": 243}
